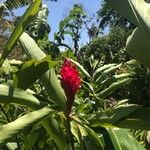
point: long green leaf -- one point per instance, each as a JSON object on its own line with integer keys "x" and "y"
{"x": 78, "y": 132}
{"x": 123, "y": 140}
{"x": 106, "y": 92}
{"x": 6, "y": 67}
{"x": 30, "y": 47}
{"x": 124, "y": 116}
{"x": 111, "y": 80}
{"x": 81, "y": 68}
{"x": 122, "y": 7}
{"x": 112, "y": 116}
{"x": 10, "y": 94}
{"x": 139, "y": 120}
{"x": 31, "y": 71}
{"x": 30, "y": 140}
{"x": 55, "y": 132}
{"x": 92, "y": 139}
{"x": 15, "y": 4}
{"x": 105, "y": 72}
{"x": 138, "y": 48}
{"x": 20, "y": 27}
{"x": 12, "y": 145}
{"x": 11, "y": 129}
{"x": 49, "y": 80}
{"x": 53, "y": 88}
{"x": 137, "y": 11}
{"x": 101, "y": 69}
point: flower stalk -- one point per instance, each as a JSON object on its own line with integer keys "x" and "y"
{"x": 70, "y": 82}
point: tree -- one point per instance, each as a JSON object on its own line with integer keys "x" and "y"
{"x": 111, "y": 18}
{"x": 71, "y": 25}
{"x": 108, "y": 48}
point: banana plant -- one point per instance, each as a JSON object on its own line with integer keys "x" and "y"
{"x": 137, "y": 12}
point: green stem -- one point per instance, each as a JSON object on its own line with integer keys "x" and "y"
{"x": 3, "y": 57}
{"x": 69, "y": 133}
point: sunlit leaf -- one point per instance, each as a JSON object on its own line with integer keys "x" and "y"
{"x": 49, "y": 80}
{"x": 12, "y": 95}
{"x": 31, "y": 71}
{"x": 8, "y": 131}
{"x": 112, "y": 116}
{"x": 92, "y": 139}
{"x": 122, "y": 139}
{"x": 55, "y": 132}
{"x": 20, "y": 27}
{"x": 137, "y": 11}
{"x": 81, "y": 68}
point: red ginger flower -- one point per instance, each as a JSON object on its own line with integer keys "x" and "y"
{"x": 70, "y": 82}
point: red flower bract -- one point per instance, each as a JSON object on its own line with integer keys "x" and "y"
{"x": 70, "y": 81}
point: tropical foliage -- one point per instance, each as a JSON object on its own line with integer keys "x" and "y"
{"x": 79, "y": 98}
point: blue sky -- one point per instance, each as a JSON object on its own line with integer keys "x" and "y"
{"x": 58, "y": 10}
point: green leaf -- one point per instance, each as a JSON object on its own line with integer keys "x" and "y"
{"x": 73, "y": 15}
{"x": 106, "y": 92}
{"x": 49, "y": 80}
{"x": 31, "y": 71}
{"x": 111, "y": 80}
{"x": 41, "y": 142}
{"x": 137, "y": 11}
{"x": 12, "y": 146}
{"x": 10, "y": 94}
{"x": 129, "y": 116}
{"x": 30, "y": 47}
{"x": 138, "y": 48}
{"x": 11, "y": 129}
{"x": 6, "y": 67}
{"x": 64, "y": 23}
{"x": 139, "y": 120}
{"x": 123, "y": 140}
{"x": 30, "y": 140}
{"x": 69, "y": 33}
{"x": 78, "y": 132}
{"x": 15, "y": 4}
{"x": 124, "y": 8}
{"x": 105, "y": 72}
{"x": 87, "y": 86}
{"x": 112, "y": 116}
{"x": 101, "y": 69}
{"x": 20, "y": 27}
{"x": 91, "y": 139}
{"x": 55, "y": 132}
{"x": 81, "y": 68}
{"x": 54, "y": 89}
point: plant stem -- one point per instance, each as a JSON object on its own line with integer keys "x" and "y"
{"x": 69, "y": 133}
